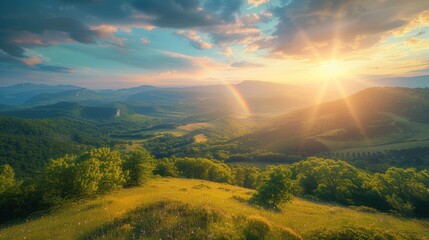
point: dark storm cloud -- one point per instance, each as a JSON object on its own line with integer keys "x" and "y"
{"x": 311, "y": 27}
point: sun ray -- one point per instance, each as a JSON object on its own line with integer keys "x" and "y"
{"x": 351, "y": 109}
{"x": 334, "y": 71}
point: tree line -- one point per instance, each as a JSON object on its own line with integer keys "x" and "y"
{"x": 102, "y": 170}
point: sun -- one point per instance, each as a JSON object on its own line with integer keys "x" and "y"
{"x": 332, "y": 69}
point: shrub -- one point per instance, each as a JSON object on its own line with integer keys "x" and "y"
{"x": 165, "y": 168}
{"x": 202, "y": 168}
{"x": 163, "y": 220}
{"x": 289, "y": 234}
{"x": 256, "y": 228}
{"x": 139, "y": 165}
{"x": 274, "y": 189}
{"x": 94, "y": 172}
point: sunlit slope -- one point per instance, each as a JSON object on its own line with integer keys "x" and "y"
{"x": 87, "y": 219}
{"x": 372, "y": 117}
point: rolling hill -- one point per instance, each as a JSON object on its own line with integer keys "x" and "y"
{"x": 76, "y": 95}
{"x": 66, "y": 109}
{"x": 369, "y": 118}
{"x": 197, "y": 209}
{"x": 20, "y": 93}
{"x": 261, "y": 97}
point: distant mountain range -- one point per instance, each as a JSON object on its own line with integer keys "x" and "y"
{"x": 30, "y": 93}
{"x": 21, "y": 93}
{"x": 261, "y": 97}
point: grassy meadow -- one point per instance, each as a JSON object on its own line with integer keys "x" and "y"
{"x": 87, "y": 219}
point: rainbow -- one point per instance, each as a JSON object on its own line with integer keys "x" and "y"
{"x": 240, "y": 99}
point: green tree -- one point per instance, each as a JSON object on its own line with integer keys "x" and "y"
{"x": 405, "y": 190}
{"x": 166, "y": 168}
{"x": 328, "y": 179}
{"x": 87, "y": 177}
{"x": 140, "y": 166}
{"x": 112, "y": 175}
{"x": 59, "y": 178}
{"x": 7, "y": 178}
{"x": 274, "y": 189}
{"x": 94, "y": 172}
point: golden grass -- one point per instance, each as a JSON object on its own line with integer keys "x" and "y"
{"x": 76, "y": 220}
{"x": 194, "y": 126}
{"x": 199, "y": 138}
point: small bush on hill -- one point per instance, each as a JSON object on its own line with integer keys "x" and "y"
{"x": 274, "y": 189}
{"x": 163, "y": 220}
{"x": 289, "y": 234}
{"x": 257, "y": 228}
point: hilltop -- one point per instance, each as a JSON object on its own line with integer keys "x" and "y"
{"x": 223, "y": 207}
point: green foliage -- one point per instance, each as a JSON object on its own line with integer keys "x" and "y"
{"x": 59, "y": 178}
{"x": 28, "y": 144}
{"x": 140, "y": 166}
{"x": 112, "y": 176}
{"x": 245, "y": 176}
{"x": 327, "y": 179}
{"x": 17, "y": 199}
{"x": 7, "y": 178}
{"x": 275, "y": 187}
{"x": 166, "y": 168}
{"x": 202, "y": 168}
{"x": 94, "y": 172}
{"x": 405, "y": 190}
{"x": 257, "y": 228}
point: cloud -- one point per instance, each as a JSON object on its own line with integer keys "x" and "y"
{"x": 255, "y": 3}
{"x": 194, "y": 39}
{"x": 316, "y": 29}
{"x": 417, "y": 43}
{"x": 244, "y": 64}
{"x": 227, "y": 51}
{"x": 25, "y": 24}
{"x": 145, "y": 41}
{"x": 57, "y": 69}
{"x": 31, "y": 61}
{"x": 187, "y": 13}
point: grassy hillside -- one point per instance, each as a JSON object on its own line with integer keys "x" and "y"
{"x": 221, "y": 206}
{"x": 375, "y": 119}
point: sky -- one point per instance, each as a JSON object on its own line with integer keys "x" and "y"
{"x": 124, "y": 43}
